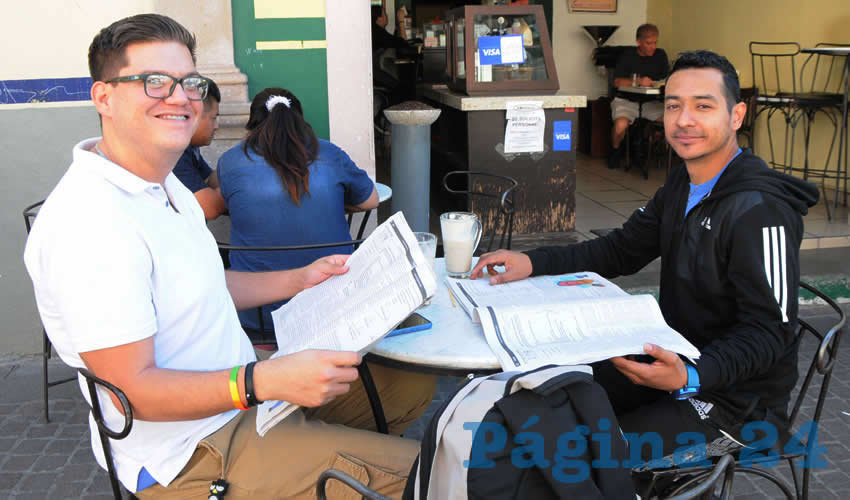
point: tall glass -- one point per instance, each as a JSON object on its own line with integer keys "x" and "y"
{"x": 461, "y": 234}
{"x": 428, "y": 245}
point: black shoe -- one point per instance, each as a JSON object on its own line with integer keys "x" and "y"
{"x": 614, "y": 158}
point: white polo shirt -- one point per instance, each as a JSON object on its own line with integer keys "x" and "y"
{"x": 112, "y": 262}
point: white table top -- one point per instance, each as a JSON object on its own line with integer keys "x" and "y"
{"x": 641, "y": 90}
{"x": 384, "y": 192}
{"x": 835, "y": 51}
{"x": 453, "y": 342}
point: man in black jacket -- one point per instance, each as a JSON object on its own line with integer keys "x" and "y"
{"x": 728, "y": 231}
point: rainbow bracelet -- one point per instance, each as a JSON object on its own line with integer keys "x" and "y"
{"x": 234, "y": 388}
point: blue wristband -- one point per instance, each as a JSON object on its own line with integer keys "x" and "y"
{"x": 691, "y": 388}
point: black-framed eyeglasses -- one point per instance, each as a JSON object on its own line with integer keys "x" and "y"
{"x": 159, "y": 86}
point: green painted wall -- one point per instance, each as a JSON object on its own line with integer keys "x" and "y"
{"x": 303, "y": 72}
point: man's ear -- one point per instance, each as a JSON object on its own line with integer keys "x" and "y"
{"x": 101, "y": 96}
{"x": 739, "y": 110}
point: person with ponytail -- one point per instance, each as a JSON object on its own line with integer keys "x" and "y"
{"x": 284, "y": 186}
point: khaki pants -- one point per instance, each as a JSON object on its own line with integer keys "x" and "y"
{"x": 287, "y": 461}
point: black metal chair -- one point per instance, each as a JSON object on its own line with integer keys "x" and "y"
{"x": 749, "y": 95}
{"x": 30, "y": 214}
{"x": 822, "y": 364}
{"x": 103, "y": 430}
{"x": 260, "y": 337}
{"x": 775, "y": 82}
{"x": 822, "y": 81}
{"x": 496, "y": 207}
{"x": 347, "y": 480}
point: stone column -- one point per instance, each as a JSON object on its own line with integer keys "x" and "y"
{"x": 212, "y": 24}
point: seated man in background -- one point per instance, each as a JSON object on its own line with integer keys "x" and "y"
{"x": 650, "y": 65}
{"x": 728, "y": 230}
{"x": 192, "y": 170}
{"x": 146, "y": 305}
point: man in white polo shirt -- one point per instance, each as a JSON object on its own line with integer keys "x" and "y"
{"x": 129, "y": 284}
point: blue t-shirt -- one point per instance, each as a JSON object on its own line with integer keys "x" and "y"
{"x": 263, "y": 214}
{"x": 700, "y": 191}
{"x": 192, "y": 169}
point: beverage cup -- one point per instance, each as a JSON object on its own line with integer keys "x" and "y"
{"x": 428, "y": 245}
{"x": 634, "y": 79}
{"x": 461, "y": 234}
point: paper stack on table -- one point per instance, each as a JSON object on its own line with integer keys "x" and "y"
{"x": 571, "y": 319}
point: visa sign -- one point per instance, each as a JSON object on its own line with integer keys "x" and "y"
{"x": 562, "y": 131}
{"x": 506, "y": 49}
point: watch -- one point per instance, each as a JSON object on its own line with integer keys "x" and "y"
{"x": 691, "y": 387}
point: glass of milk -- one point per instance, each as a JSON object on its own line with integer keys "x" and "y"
{"x": 461, "y": 234}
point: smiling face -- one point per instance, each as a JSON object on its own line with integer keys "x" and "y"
{"x": 145, "y": 126}
{"x": 697, "y": 120}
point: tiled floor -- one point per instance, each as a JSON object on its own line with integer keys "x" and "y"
{"x": 605, "y": 199}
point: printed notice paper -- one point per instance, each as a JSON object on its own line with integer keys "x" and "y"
{"x": 388, "y": 279}
{"x": 525, "y": 127}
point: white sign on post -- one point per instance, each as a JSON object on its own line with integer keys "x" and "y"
{"x": 524, "y": 130}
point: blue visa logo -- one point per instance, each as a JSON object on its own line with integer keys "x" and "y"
{"x": 562, "y": 132}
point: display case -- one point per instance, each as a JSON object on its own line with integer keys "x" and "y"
{"x": 499, "y": 50}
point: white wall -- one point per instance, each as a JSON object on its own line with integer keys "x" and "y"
{"x": 50, "y": 38}
{"x": 350, "y": 80}
{"x": 573, "y": 48}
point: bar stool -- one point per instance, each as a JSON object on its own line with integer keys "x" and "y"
{"x": 774, "y": 78}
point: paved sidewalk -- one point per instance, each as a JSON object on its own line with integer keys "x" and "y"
{"x": 54, "y": 460}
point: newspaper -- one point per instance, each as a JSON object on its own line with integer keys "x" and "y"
{"x": 530, "y": 323}
{"x": 388, "y": 278}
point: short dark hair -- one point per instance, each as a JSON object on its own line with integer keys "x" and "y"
{"x": 644, "y": 30}
{"x": 108, "y": 49}
{"x": 213, "y": 93}
{"x": 710, "y": 60}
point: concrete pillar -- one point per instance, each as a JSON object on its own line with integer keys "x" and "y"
{"x": 212, "y": 24}
{"x": 411, "y": 162}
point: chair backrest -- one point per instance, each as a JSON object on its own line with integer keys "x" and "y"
{"x": 103, "y": 431}
{"x": 347, "y": 480}
{"x": 704, "y": 485}
{"x": 259, "y": 336}
{"x": 30, "y": 213}
{"x": 824, "y": 73}
{"x": 496, "y": 207}
{"x": 824, "y": 358}
{"x": 774, "y": 69}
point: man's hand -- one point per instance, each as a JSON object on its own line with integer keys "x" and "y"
{"x": 645, "y": 81}
{"x": 517, "y": 266}
{"x": 323, "y": 269}
{"x": 666, "y": 373}
{"x": 307, "y": 378}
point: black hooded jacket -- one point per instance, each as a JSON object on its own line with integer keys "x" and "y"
{"x": 729, "y": 275}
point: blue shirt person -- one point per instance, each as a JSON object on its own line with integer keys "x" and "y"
{"x": 291, "y": 190}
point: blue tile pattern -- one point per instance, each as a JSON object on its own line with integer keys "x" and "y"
{"x": 44, "y": 90}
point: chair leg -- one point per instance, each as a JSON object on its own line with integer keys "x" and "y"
{"x": 374, "y": 398}
{"x": 45, "y": 353}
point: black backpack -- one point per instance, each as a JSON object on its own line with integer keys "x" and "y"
{"x": 523, "y": 435}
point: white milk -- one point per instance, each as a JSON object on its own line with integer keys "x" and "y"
{"x": 458, "y": 254}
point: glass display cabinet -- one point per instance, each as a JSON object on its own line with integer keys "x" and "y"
{"x": 499, "y": 50}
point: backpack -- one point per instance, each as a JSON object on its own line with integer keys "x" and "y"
{"x": 532, "y": 434}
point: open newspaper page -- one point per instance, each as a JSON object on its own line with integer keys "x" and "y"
{"x": 471, "y": 294}
{"x": 388, "y": 278}
{"x": 579, "y": 332}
